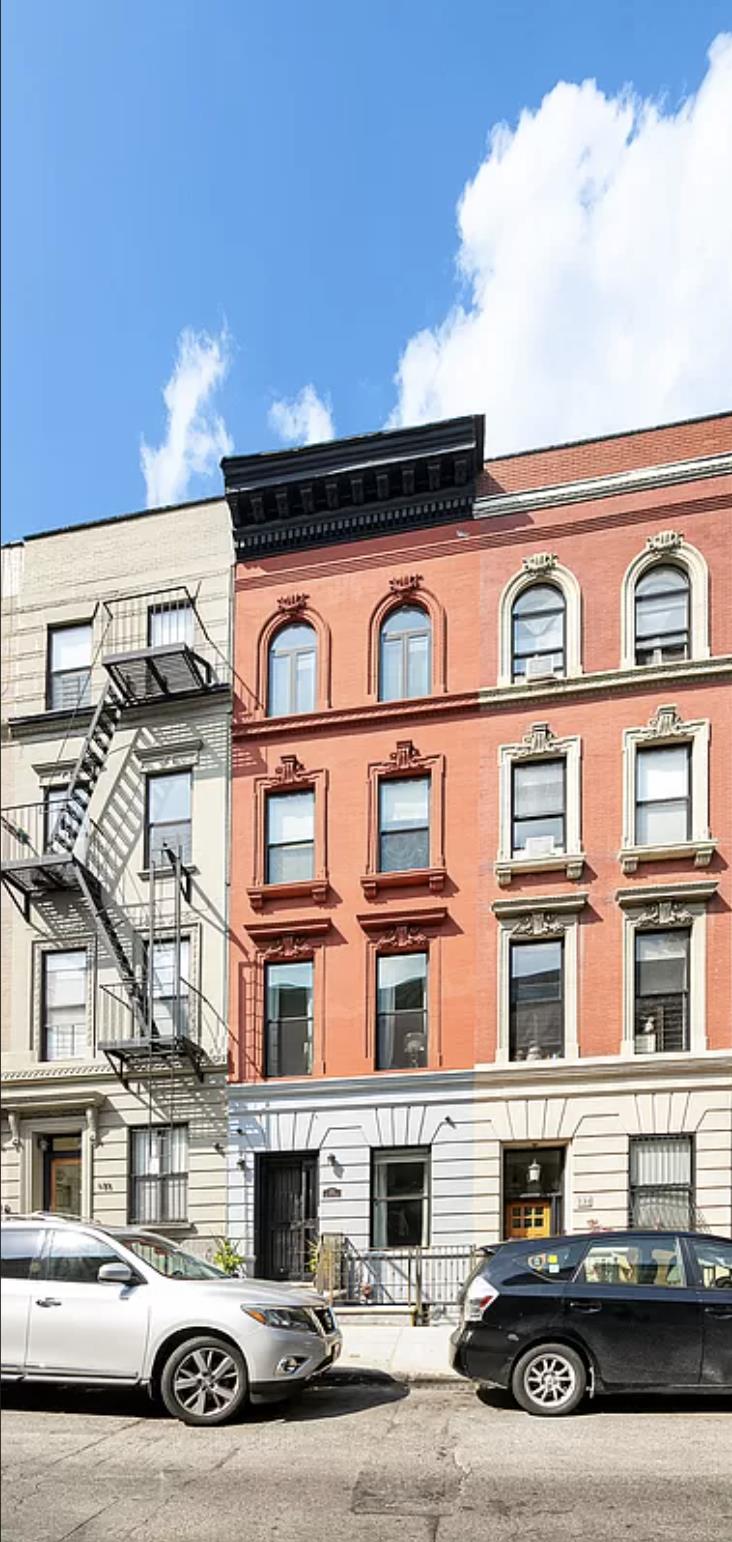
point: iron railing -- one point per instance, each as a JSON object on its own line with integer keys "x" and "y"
{"x": 27, "y": 832}
{"x": 160, "y": 619}
{"x": 426, "y": 1280}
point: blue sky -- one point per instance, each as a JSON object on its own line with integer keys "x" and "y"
{"x": 284, "y": 179}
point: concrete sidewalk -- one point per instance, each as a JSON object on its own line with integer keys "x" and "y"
{"x": 413, "y": 1354}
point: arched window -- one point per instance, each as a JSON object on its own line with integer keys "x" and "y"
{"x": 537, "y": 633}
{"x": 662, "y": 615}
{"x": 405, "y": 654}
{"x": 293, "y": 656}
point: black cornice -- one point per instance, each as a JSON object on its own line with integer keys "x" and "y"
{"x": 349, "y": 489}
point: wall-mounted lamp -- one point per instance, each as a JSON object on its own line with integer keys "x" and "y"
{"x": 533, "y": 1174}
{"x": 218, "y": 1147}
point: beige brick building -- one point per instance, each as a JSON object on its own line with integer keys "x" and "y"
{"x": 116, "y": 733}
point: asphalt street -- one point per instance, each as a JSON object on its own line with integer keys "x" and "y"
{"x": 367, "y": 1461}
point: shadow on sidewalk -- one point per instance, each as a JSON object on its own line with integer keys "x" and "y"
{"x": 500, "y": 1401}
{"x": 336, "y": 1395}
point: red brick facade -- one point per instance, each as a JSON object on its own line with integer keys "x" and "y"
{"x": 459, "y": 572}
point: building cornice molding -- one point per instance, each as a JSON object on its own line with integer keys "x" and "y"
{"x": 349, "y": 489}
{"x": 526, "y": 1078}
{"x": 378, "y": 1086}
{"x": 486, "y": 698}
{"x": 74, "y": 725}
{"x": 644, "y": 479}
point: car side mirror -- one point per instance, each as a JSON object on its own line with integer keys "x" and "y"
{"x": 115, "y": 1274}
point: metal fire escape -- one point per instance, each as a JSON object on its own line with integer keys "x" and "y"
{"x": 48, "y": 848}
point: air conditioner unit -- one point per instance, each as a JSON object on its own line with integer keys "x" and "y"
{"x": 539, "y": 668}
{"x": 539, "y": 846}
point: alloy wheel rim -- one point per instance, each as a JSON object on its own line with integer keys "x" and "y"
{"x": 206, "y": 1382}
{"x": 550, "y": 1381}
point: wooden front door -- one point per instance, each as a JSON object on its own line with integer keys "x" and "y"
{"x": 62, "y": 1175}
{"x": 288, "y": 1216}
{"x": 529, "y": 1218}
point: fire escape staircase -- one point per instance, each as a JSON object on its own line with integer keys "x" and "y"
{"x": 48, "y": 848}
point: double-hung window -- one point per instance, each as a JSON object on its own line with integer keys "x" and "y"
{"x": 661, "y": 1182}
{"x": 400, "y": 1202}
{"x": 663, "y": 800}
{"x": 401, "y": 998}
{"x": 159, "y": 1175}
{"x": 536, "y": 1002}
{"x": 538, "y": 632}
{"x": 288, "y": 1033}
{"x": 168, "y": 817}
{"x": 404, "y": 823}
{"x": 662, "y": 991}
{"x": 539, "y": 808}
{"x": 290, "y": 837}
{"x": 405, "y": 654}
{"x": 662, "y": 616}
{"x": 64, "y": 998}
{"x": 168, "y": 625}
{"x": 69, "y": 667}
{"x": 171, "y": 987}
{"x": 293, "y": 657}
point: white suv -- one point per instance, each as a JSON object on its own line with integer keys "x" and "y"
{"x": 125, "y": 1307}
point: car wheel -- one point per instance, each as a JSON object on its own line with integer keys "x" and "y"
{"x": 204, "y": 1381}
{"x": 549, "y": 1380}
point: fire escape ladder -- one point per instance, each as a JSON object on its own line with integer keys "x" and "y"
{"x": 107, "y": 930}
{"x": 87, "y": 771}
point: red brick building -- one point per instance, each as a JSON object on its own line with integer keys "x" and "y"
{"x": 481, "y": 831}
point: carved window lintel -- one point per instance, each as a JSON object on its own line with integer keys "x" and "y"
{"x": 539, "y": 562}
{"x": 540, "y": 923}
{"x": 407, "y": 585}
{"x": 665, "y": 541}
{"x": 292, "y": 604}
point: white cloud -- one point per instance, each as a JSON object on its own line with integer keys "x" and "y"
{"x": 596, "y": 247}
{"x": 306, "y": 419}
{"x": 195, "y": 437}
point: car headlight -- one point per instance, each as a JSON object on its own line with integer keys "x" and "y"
{"x": 294, "y": 1317}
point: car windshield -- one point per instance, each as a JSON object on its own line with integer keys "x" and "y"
{"x": 171, "y": 1260}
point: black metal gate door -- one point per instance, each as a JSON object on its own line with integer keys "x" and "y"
{"x": 288, "y": 1216}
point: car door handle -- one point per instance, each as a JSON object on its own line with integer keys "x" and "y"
{"x": 47, "y": 1301}
{"x": 719, "y": 1311}
{"x": 585, "y": 1306}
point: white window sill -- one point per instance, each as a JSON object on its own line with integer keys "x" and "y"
{"x": 571, "y": 863}
{"x": 630, "y": 857}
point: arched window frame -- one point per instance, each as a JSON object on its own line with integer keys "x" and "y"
{"x": 411, "y": 593}
{"x": 289, "y": 615}
{"x": 542, "y": 568}
{"x": 667, "y": 549}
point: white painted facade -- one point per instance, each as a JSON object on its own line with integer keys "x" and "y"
{"x": 467, "y": 1121}
{"x": 94, "y": 573}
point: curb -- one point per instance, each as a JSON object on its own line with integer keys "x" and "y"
{"x": 354, "y": 1377}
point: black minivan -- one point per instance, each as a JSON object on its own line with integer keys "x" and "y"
{"x": 620, "y": 1311}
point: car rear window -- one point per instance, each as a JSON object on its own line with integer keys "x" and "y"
{"x": 556, "y": 1262}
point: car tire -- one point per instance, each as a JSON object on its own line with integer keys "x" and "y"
{"x": 549, "y": 1380}
{"x": 204, "y": 1380}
